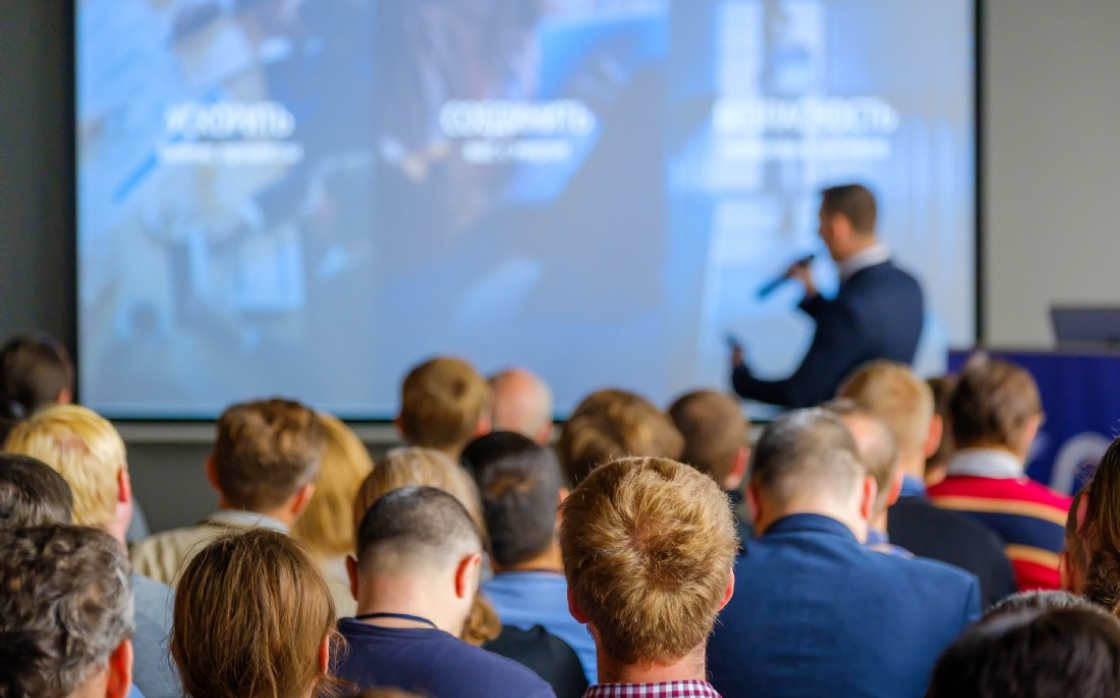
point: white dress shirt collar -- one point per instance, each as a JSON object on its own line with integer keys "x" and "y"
{"x": 986, "y": 462}
{"x": 867, "y": 257}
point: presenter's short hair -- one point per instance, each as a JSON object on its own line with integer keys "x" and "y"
{"x": 992, "y": 404}
{"x": 853, "y": 201}
{"x": 612, "y": 424}
{"x": 805, "y": 451}
{"x": 82, "y": 447}
{"x": 714, "y": 430}
{"x": 648, "y": 545}
{"x": 67, "y": 605}
{"x": 251, "y": 612}
{"x": 265, "y": 451}
{"x": 442, "y": 403}
{"x": 898, "y": 397}
{"x": 33, "y": 371}
{"x": 32, "y": 494}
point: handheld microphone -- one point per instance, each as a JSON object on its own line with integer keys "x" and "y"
{"x": 777, "y": 283}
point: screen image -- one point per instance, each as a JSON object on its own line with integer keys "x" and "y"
{"x": 308, "y": 197}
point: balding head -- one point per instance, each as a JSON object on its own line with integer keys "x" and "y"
{"x": 522, "y": 404}
{"x": 807, "y": 462}
{"x": 876, "y": 445}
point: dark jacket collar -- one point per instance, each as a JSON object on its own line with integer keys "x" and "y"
{"x": 810, "y": 523}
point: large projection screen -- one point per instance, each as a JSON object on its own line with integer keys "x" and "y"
{"x": 307, "y": 197}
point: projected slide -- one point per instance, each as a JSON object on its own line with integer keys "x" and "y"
{"x": 307, "y": 197}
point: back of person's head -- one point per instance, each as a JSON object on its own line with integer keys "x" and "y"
{"x": 265, "y": 452}
{"x": 938, "y": 463}
{"x": 252, "y": 613}
{"x": 612, "y": 424}
{"x": 66, "y": 613}
{"x": 807, "y": 452}
{"x": 1036, "y": 602}
{"x": 520, "y": 483}
{"x": 444, "y": 404}
{"x": 875, "y": 443}
{"x": 895, "y": 394}
{"x": 853, "y": 201}
{"x": 32, "y": 494}
{"x": 34, "y": 373}
{"x": 648, "y": 545}
{"x": 994, "y": 404}
{"x": 326, "y": 525}
{"x": 715, "y": 434}
{"x": 383, "y": 693}
{"x": 1059, "y": 652}
{"x": 415, "y": 531}
{"x": 1098, "y": 533}
{"x": 522, "y": 404}
{"x": 85, "y": 449}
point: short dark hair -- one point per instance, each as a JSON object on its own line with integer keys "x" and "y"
{"x": 992, "y": 404}
{"x": 804, "y": 449}
{"x": 424, "y": 523}
{"x": 1036, "y": 602}
{"x": 32, "y": 494}
{"x": 853, "y": 201}
{"x": 942, "y": 387}
{"x": 66, "y": 607}
{"x": 714, "y": 430}
{"x": 1059, "y": 652}
{"x": 519, "y": 481}
{"x": 265, "y": 451}
{"x": 33, "y": 371}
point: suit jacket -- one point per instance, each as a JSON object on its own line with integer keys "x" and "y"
{"x": 877, "y": 314}
{"x": 815, "y": 614}
{"x": 929, "y": 531}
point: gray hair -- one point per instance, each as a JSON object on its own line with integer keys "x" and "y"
{"x": 808, "y": 451}
{"x": 66, "y": 604}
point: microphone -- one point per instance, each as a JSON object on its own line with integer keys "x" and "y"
{"x": 777, "y": 283}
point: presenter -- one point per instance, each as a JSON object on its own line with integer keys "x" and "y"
{"x": 877, "y": 313}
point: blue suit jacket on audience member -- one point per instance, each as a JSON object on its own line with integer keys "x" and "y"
{"x": 817, "y": 614}
{"x": 877, "y": 314}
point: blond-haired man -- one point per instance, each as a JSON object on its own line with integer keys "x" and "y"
{"x": 905, "y": 403}
{"x": 648, "y": 547}
{"x": 445, "y": 404}
{"x": 88, "y": 452}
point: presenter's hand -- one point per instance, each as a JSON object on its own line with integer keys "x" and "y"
{"x": 802, "y": 273}
{"x": 737, "y": 357}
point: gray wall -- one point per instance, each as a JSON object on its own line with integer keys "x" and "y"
{"x": 1052, "y": 180}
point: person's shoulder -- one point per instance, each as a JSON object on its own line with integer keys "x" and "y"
{"x": 160, "y": 556}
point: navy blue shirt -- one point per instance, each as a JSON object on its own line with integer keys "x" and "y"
{"x": 431, "y": 663}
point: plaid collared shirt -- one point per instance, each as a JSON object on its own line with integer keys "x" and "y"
{"x": 672, "y": 689}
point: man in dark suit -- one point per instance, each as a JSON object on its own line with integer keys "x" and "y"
{"x": 814, "y": 612}
{"x": 905, "y": 404}
{"x": 877, "y": 313}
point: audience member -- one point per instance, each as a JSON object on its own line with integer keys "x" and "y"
{"x": 402, "y": 467}
{"x": 815, "y": 612}
{"x": 1036, "y": 602}
{"x": 417, "y": 573}
{"x": 444, "y": 404}
{"x": 34, "y": 373}
{"x": 65, "y": 614}
{"x": 994, "y": 415}
{"x": 383, "y": 693}
{"x": 32, "y": 494}
{"x": 905, "y": 403}
{"x": 1059, "y": 652}
{"x": 937, "y": 463}
{"x": 522, "y": 404}
{"x": 522, "y": 488}
{"x": 253, "y": 619}
{"x": 648, "y": 546}
{"x": 1096, "y": 533}
{"x": 612, "y": 424}
{"x": 1073, "y": 561}
{"x": 879, "y": 452}
{"x": 716, "y": 433}
{"x": 326, "y": 525}
{"x": 89, "y": 454}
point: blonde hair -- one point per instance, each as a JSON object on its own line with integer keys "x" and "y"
{"x": 898, "y": 397}
{"x": 84, "y": 448}
{"x": 402, "y": 467}
{"x": 251, "y": 612}
{"x": 325, "y": 525}
{"x": 443, "y": 401}
{"x": 648, "y": 545}
{"x": 611, "y": 424}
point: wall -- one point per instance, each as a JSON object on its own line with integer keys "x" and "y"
{"x": 1052, "y": 176}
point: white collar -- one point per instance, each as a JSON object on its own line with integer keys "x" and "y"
{"x": 236, "y": 518}
{"x": 868, "y": 257}
{"x": 986, "y": 462}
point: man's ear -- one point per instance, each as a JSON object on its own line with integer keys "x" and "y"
{"x": 729, "y": 591}
{"x": 352, "y": 574}
{"x": 868, "y": 491}
{"x": 896, "y": 487}
{"x": 485, "y": 426}
{"x": 398, "y": 422}
{"x": 212, "y": 474}
{"x": 575, "y": 610}
{"x": 301, "y": 499}
{"x": 124, "y": 486}
{"x": 467, "y": 574}
{"x": 325, "y": 654}
{"x": 754, "y": 505}
{"x": 1030, "y": 432}
{"x": 120, "y": 671}
{"x": 934, "y": 435}
{"x": 738, "y": 468}
{"x": 544, "y": 434}
{"x": 64, "y": 397}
